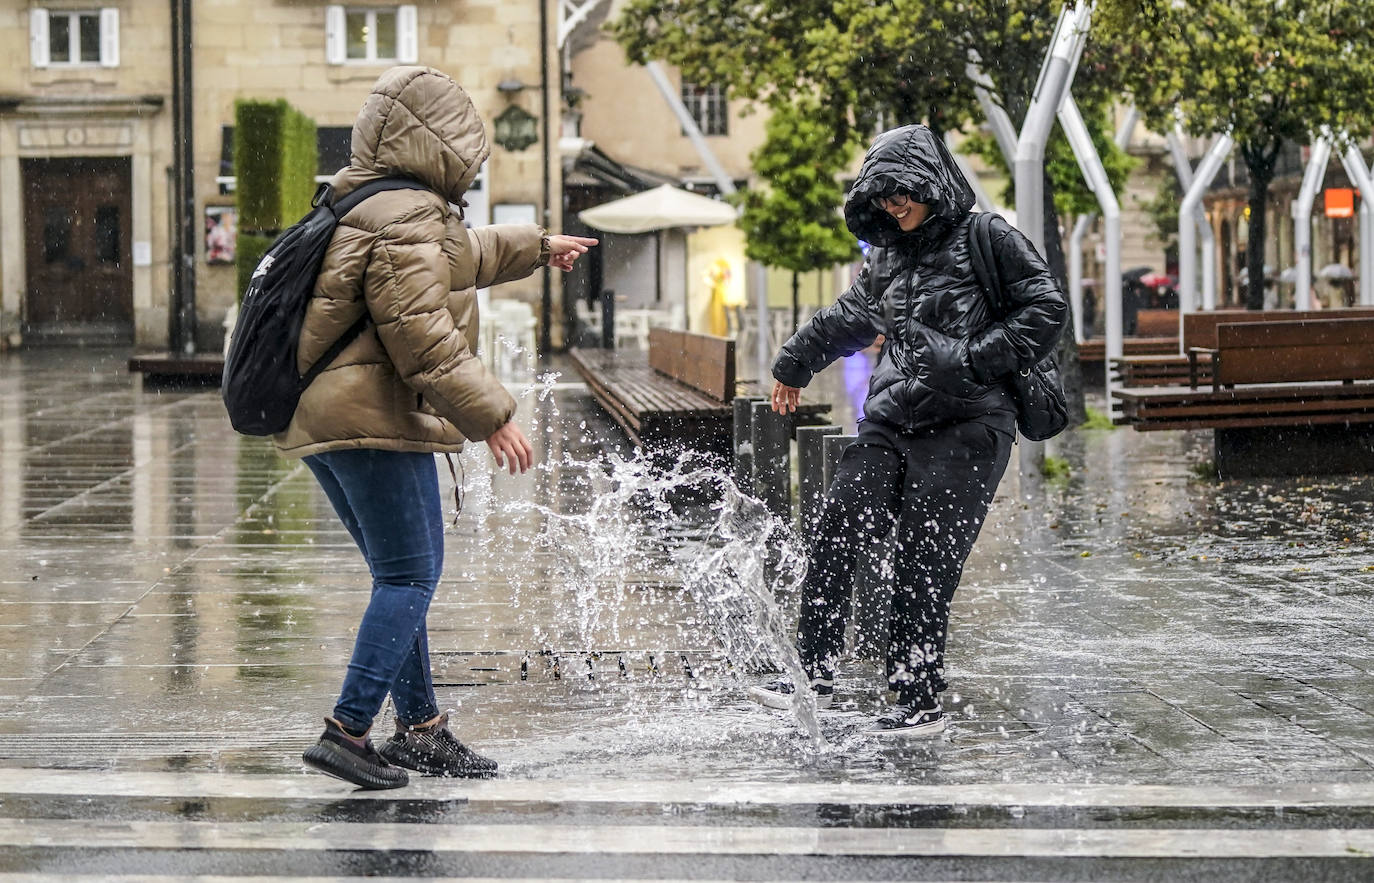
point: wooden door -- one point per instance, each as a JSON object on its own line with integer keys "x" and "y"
{"x": 77, "y": 219}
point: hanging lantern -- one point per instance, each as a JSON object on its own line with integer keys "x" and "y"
{"x": 516, "y": 128}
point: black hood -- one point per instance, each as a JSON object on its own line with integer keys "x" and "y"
{"x": 911, "y": 159}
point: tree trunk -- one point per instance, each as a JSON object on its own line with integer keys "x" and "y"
{"x": 1260, "y": 160}
{"x": 796, "y": 302}
{"x": 1066, "y": 353}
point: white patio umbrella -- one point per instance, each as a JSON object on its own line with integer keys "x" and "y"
{"x": 658, "y": 209}
{"x": 1336, "y": 272}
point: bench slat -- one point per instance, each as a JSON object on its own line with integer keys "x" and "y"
{"x": 653, "y": 407}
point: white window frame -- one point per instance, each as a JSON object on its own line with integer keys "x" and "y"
{"x": 701, "y": 99}
{"x": 40, "y": 27}
{"x": 336, "y": 34}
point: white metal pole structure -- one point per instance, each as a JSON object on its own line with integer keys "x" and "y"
{"x": 1002, "y": 127}
{"x": 1360, "y": 175}
{"x": 1080, "y": 229}
{"x": 723, "y": 181}
{"x": 1312, "y": 178}
{"x": 1187, "y": 226}
{"x": 689, "y": 126}
{"x": 980, "y": 193}
{"x": 1096, "y": 177}
{"x": 1029, "y": 168}
{"x": 1184, "y": 169}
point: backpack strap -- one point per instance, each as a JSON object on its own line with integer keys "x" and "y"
{"x": 984, "y": 260}
{"x": 325, "y": 196}
{"x": 370, "y": 189}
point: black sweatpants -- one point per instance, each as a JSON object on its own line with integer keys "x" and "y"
{"x": 935, "y": 487}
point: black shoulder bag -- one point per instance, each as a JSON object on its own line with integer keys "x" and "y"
{"x": 1041, "y": 409}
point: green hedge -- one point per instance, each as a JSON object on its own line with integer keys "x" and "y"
{"x": 274, "y": 162}
{"x": 249, "y": 250}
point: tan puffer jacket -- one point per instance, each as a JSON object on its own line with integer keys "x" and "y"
{"x": 410, "y": 382}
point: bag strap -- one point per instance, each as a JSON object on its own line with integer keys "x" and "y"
{"x": 984, "y": 260}
{"x": 370, "y": 189}
{"x": 330, "y": 354}
{"x": 324, "y": 196}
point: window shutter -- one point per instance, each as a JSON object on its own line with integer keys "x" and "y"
{"x": 334, "y": 47}
{"x": 407, "y": 35}
{"x": 38, "y": 37}
{"x": 109, "y": 37}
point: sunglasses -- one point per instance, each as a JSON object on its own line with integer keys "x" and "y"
{"x": 896, "y": 200}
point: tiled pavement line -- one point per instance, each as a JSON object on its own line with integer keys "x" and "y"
{"x": 202, "y": 878}
{"x": 29, "y": 782}
{"x": 551, "y": 829}
{"x": 582, "y": 839}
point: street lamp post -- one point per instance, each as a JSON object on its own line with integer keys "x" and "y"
{"x": 181, "y": 312}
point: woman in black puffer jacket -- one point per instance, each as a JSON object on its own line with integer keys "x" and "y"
{"x": 939, "y": 420}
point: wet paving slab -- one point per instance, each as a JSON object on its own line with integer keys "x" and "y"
{"x": 175, "y": 598}
{"x": 1134, "y": 613}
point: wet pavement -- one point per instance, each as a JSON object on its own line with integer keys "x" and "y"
{"x": 1153, "y": 675}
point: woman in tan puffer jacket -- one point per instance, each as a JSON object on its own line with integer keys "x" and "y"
{"x": 408, "y": 387}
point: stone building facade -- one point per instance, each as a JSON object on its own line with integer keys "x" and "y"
{"x": 86, "y": 137}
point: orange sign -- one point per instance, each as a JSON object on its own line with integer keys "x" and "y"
{"x": 1340, "y": 202}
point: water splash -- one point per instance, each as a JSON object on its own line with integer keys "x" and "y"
{"x": 733, "y": 563}
{"x": 659, "y": 521}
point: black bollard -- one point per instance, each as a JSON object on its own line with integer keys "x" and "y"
{"x": 772, "y": 441}
{"x": 811, "y": 471}
{"x": 744, "y": 443}
{"x": 608, "y": 319}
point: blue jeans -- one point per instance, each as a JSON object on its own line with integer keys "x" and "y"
{"x": 389, "y": 501}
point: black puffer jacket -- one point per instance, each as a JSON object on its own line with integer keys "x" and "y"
{"x": 947, "y": 353}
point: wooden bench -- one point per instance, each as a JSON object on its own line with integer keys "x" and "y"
{"x": 175, "y": 368}
{"x": 1156, "y": 323}
{"x": 1285, "y": 397}
{"x": 1094, "y": 349}
{"x": 680, "y": 393}
{"x": 1156, "y": 334}
{"x": 1201, "y": 335}
{"x": 1190, "y": 363}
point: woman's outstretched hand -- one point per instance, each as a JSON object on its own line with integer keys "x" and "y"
{"x": 563, "y": 250}
{"x": 510, "y": 448}
{"x": 785, "y": 398}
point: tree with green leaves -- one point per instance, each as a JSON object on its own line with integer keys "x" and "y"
{"x": 1266, "y": 71}
{"x": 871, "y": 66}
{"x": 794, "y": 223}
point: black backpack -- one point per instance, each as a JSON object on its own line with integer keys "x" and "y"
{"x": 260, "y": 385}
{"x": 1042, "y": 409}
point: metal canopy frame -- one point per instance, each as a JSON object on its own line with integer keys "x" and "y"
{"x": 1080, "y": 230}
{"x": 1188, "y": 227}
{"x": 1312, "y": 178}
{"x": 1184, "y": 169}
{"x": 1360, "y": 174}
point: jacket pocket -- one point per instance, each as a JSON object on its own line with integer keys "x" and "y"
{"x": 941, "y": 362}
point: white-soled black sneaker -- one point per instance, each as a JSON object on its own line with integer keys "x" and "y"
{"x": 779, "y": 693}
{"x": 908, "y": 722}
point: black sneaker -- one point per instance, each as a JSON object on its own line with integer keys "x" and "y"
{"x": 908, "y": 722}
{"x": 433, "y": 751}
{"x": 778, "y": 694}
{"x": 352, "y": 759}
